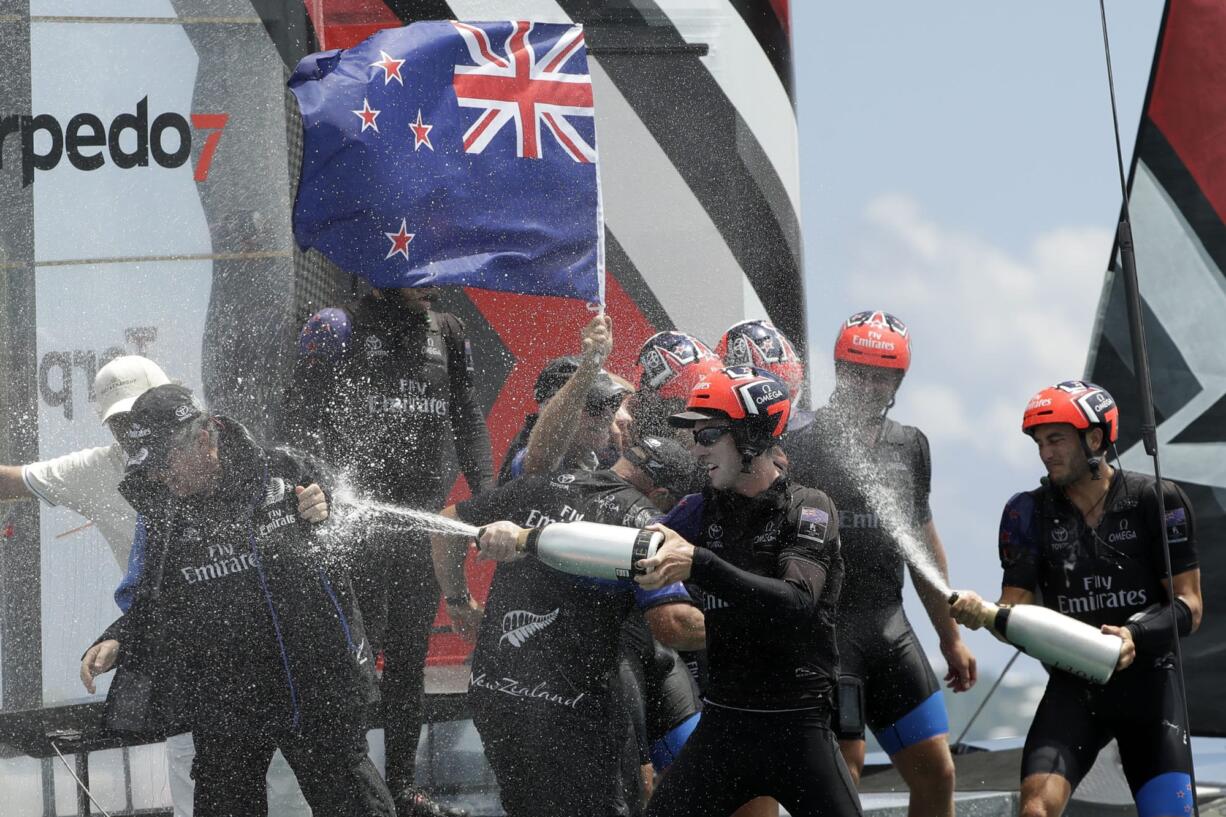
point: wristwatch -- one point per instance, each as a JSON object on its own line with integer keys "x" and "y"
{"x": 458, "y": 600}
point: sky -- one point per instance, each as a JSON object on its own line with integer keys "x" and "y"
{"x": 958, "y": 170}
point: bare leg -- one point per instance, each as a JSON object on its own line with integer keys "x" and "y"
{"x": 928, "y": 768}
{"x": 853, "y": 756}
{"x": 758, "y": 807}
{"x": 1044, "y": 795}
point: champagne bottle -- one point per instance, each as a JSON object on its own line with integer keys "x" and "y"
{"x": 591, "y": 549}
{"x": 1057, "y": 640}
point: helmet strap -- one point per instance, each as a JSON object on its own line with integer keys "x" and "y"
{"x": 749, "y": 448}
{"x": 1093, "y": 460}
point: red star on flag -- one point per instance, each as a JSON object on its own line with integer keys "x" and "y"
{"x": 400, "y": 241}
{"x": 421, "y": 133}
{"x": 391, "y": 68}
{"x": 368, "y": 115}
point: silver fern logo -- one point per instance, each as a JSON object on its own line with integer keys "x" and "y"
{"x": 275, "y": 492}
{"x": 520, "y": 625}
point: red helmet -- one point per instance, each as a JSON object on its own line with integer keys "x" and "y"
{"x": 1080, "y": 404}
{"x": 758, "y": 343}
{"x": 672, "y": 362}
{"x": 755, "y": 402}
{"x": 874, "y": 339}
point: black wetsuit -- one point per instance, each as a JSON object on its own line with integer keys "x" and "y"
{"x": 379, "y": 391}
{"x": 877, "y": 646}
{"x": 770, "y": 572}
{"x": 1105, "y": 575}
{"x": 542, "y": 691}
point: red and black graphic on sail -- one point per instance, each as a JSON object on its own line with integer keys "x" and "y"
{"x": 1177, "y": 205}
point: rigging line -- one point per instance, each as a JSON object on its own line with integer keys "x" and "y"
{"x": 1115, "y": 120}
{"x": 987, "y": 697}
{"x": 1145, "y": 392}
{"x": 81, "y": 785}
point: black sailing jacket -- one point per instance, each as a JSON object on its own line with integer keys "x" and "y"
{"x": 243, "y": 613}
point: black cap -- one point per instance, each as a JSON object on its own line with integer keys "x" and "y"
{"x": 669, "y": 463}
{"x": 152, "y": 422}
{"x": 554, "y": 376}
{"x": 604, "y": 391}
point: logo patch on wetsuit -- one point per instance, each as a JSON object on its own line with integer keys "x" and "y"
{"x": 374, "y": 347}
{"x": 275, "y": 492}
{"x": 812, "y": 525}
{"x": 1176, "y": 525}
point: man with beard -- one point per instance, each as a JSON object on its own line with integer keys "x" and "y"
{"x": 542, "y": 692}
{"x": 878, "y": 472}
{"x": 1088, "y": 540}
{"x": 763, "y": 551}
{"x": 380, "y": 387}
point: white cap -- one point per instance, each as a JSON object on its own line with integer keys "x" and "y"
{"x": 124, "y": 379}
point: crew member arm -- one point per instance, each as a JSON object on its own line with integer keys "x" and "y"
{"x": 12, "y": 486}
{"x": 559, "y": 417}
{"x": 962, "y": 670}
{"x": 1151, "y": 630}
{"x": 679, "y": 625}
{"x": 934, "y": 599}
{"x": 797, "y": 590}
{"x": 1187, "y": 590}
{"x": 449, "y": 552}
{"x": 472, "y": 436}
{"x": 1182, "y": 609}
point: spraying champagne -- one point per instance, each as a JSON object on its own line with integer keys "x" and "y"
{"x": 590, "y": 549}
{"x": 1055, "y": 639}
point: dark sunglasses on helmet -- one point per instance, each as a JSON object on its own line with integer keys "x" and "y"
{"x": 710, "y": 436}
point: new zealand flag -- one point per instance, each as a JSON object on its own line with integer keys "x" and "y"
{"x": 454, "y": 153}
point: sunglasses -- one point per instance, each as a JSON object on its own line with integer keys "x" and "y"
{"x": 710, "y": 436}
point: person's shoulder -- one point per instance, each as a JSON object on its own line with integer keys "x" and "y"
{"x": 1141, "y": 488}
{"x": 620, "y": 503}
{"x": 1022, "y": 505}
{"x": 802, "y": 495}
{"x": 1137, "y": 481}
{"x": 687, "y": 511}
{"x": 811, "y": 517}
{"x": 893, "y": 431}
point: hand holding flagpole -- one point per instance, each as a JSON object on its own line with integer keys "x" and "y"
{"x": 598, "y": 338}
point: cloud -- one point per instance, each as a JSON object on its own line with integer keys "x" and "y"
{"x": 989, "y": 327}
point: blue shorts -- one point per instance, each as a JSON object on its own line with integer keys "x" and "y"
{"x": 665, "y": 750}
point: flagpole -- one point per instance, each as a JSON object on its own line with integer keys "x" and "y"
{"x": 1145, "y": 391}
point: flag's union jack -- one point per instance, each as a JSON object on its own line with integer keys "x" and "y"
{"x": 450, "y": 153}
{"x": 514, "y": 85}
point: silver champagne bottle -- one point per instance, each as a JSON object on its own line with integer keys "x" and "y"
{"x": 1057, "y": 640}
{"x": 591, "y": 549}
